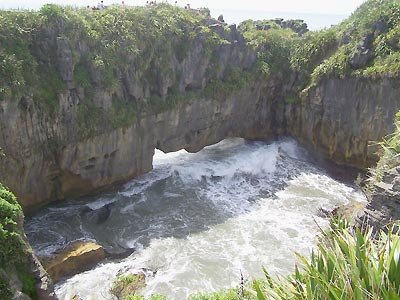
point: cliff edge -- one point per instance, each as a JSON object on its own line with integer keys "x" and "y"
{"x": 86, "y": 97}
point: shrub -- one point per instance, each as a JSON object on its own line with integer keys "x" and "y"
{"x": 28, "y": 285}
{"x": 10, "y": 241}
{"x": 312, "y": 49}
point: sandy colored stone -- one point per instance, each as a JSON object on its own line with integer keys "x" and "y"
{"x": 353, "y": 210}
{"x": 75, "y": 258}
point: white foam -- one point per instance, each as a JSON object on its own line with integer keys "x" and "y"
{"x": 138, "y": 185}
{"x": 160, "y": 158}
{"x": 97, "y": 204}
{"x": 290, "y": 148}
{"x": 212, "y": 259}
{"x": 199, "y": 219}
{"x": 250, "y": 160}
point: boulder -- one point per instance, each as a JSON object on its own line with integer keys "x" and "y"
{"x": 351, "y": 211}
{"x": 97, "y": 216}
{"x": 128, "y": 285}
{"x": 77, "y": 257}
{"x": 363, "y": 53}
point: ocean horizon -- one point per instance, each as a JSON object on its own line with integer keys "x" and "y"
{"x": 315, "y": 21}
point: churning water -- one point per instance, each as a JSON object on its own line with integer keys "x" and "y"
{"x": 198, "y": 220}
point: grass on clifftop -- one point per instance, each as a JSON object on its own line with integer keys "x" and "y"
{"x": 367, "y": 44}
{"x": 130, "y": 54}
{"x": 109, "y": 42}
{"x": 372, "y": 32}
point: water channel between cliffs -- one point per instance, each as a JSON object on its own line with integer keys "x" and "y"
{"x": 197, "y": 220}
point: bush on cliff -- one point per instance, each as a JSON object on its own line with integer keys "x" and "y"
{"x": 10, "y": 215}
{"x": 367, "y": 43}
{"x": 112, "y": 52}
{"x": 389, "y": 154}
{"x": 13, "y": 250}
{"x": 274, "y": 45}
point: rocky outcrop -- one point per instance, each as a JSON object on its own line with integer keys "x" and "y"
{"x": 185, "y": 94}
{"x": 79, "y": 149}
{"x": 363, "y": 54}
{"x": 12, "y": 284}
{"x": 384, "y": 205}
{"x": 41, "y": 172}
{"x": 343, "y": 118}
{"x": 297, "y": 26}
{"x": 128, "y": 285}
{"x": 75, "y": 258}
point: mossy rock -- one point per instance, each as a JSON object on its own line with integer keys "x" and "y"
{"x": 128, "y": 285}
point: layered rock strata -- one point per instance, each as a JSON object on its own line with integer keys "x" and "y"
{"x": 80, "y": 147}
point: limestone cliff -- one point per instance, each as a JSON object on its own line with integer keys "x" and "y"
{"x": 105, "y": 120}
{"x": 343, "y": 119}
{"x": 94, "y": 93}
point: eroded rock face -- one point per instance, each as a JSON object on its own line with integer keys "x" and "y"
{"x": 341, "y": 118}
{"x": 384, "y": 206}
{"x": 42, "y": 171}
{"x": 338, "y": 118}
{"x": 75, "y": 258}
{"x": 67, "y": 154}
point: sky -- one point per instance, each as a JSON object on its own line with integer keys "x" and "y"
{"x": 233, "y": 10}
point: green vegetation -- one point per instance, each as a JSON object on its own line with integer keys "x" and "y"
{"x": 5, "y": 291}
{"x": 274, "y": 46}
{"x": 127, "y": 287}
{"x": 348, "y": 265}
{"x": 231, "y": 294}
{"x": 131, "y": 48}
{"x": 111, "y": 50}
{"x": 16, "y": 61}
{"x": 12, "y": 246}
{"x": 10, "y": 215}
{"x": 389, "y": 155}
{"x": 365, "y": 45}
{"x": 28, "y": 284}
{"x": 234, "y": 79}
{"x": 373, "y": 31}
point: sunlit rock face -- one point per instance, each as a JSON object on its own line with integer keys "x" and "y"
{"x": 101, "y": 133}
{"x": 343, "y": 119}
